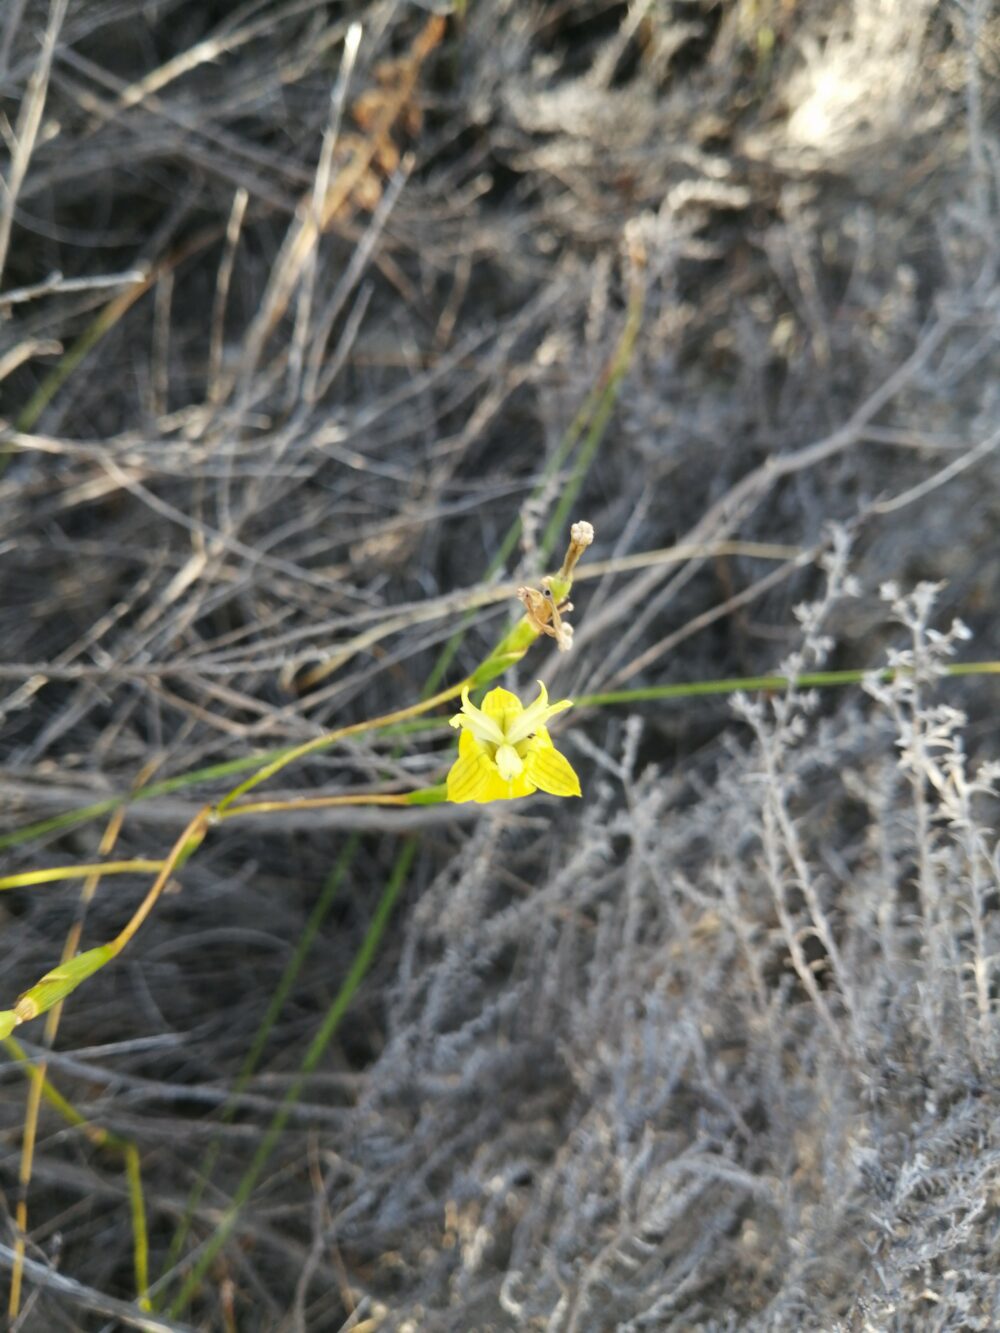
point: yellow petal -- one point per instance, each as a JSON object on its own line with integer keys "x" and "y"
{"x": 473, "y": 777}
{"x": 498, "y": 701}
{"x": 509, "y": 791}
{"x": 470, "y": 778}
{"x": 551, "y": 771}
{"x": 503, "y": 707}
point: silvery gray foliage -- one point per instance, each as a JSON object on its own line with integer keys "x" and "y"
{"x": 729, "y": 1064}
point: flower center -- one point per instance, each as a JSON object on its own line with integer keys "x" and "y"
{"x": 508, "y": 761}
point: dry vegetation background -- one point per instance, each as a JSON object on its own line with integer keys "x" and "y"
{"x": 289, "y": 338}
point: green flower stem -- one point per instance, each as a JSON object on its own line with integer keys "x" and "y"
{"x": 356, "y": 974}
{"x": 809, "y": 680}
{"x": 277, "y": 1002}
{"x": 27, "y": 879}
{"x": 101, "y": 1138}
{"x": 211, "y": 773}
{"x": 332, "y": 737}
{"x": 590, "y": 423}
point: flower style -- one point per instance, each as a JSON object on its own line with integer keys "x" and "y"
{"x": 504, "y": 750}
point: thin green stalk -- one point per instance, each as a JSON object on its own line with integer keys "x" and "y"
{"x": 289, "y": 976}
{"x": 605, "y": 405}
{"x": 595, "y": 410}
{"x": 101, "y": 1138}
{"x": 84, "y": 813}
{"x": 133, "y": 1173}
{"x": 509, "y": 543}
{"x": 329, "y": 738}
{"x": 356, "y": 974}
{"x": 28, "y": 879}
{"x": 102, "y": 324}
{"x": 810, "y": 680}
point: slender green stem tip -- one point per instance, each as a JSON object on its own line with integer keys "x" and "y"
{"x": 809, "y": 681}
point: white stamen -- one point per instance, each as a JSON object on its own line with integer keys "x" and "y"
{"x": 508, "y": 763}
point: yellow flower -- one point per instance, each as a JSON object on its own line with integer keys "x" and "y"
{"x": 504, "y": 750}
